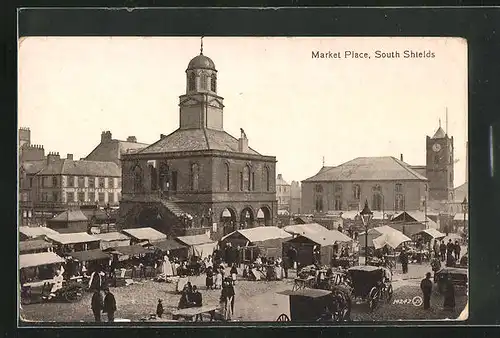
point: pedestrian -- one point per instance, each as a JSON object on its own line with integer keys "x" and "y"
{"x": 218, "y": 279}
{"x": 209, "y": 281}
{"x": 457, "y": 251}
{"x": 436, "y": 248}
{"x": 450, "y": 260}
{"x": 426, "y": 287}
{"x": 450, "y": 247}
{"x": 285, "y": 263}
{"x": 95, "y": 282}
{"x": 227, "y": 299}
{"x": 97, "y": 305}
{"x": 109, "y": 305}
{"x": 159, "y": 309}
{"x": 234, "y": 273}
{"x": 403, "y": 258}
{"x": 449, "y": 295}
{"x": 442, "y": 251}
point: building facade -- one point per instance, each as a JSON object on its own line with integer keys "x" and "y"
{"x": 53, "y": 185}
{"x": 283, "y": 193}
{"x": 199, "y": 178}
{"x": 295, "y": 198}
{"x": 387, "y": 183}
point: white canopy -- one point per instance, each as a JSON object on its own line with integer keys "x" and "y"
{"x": 393, "y": 240}
{"x": 433, "y": 233}
{"x": 260, "y": 234}
{"x": 72, "y": 238}
{"x": 145, "y": 234}
{"x": 36, "y": 231}
{"x": 317, "y": 233}
{"x": 37, "y": 259}
{"x": 199, "y": 245}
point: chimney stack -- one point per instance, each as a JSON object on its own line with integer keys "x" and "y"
{"x": 132, "y": 139}
{"x": 162, "y": 136}
{"x": 69, "y": 157}
{"x": 105, "y": 136}
{"x": 401, "y": 156}
{"x": 280, "y": 177}
{"x": 53, "y": 157}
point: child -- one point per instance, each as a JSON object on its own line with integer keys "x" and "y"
{"x": 159, "y": 309}
{"x": 210, "y": 279}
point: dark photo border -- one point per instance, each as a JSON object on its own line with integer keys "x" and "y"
{"x": 479, "y": 26}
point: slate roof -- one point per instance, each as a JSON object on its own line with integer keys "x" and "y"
{"x": 82, "y": 168}
{"x": 417, "y": 216}
{"x": 386, "y": 168}
{"x": 70, "y": 216}
{"x": 112, "y": 150}
{"x": 439, "y": 133}
{"x": 461, "y": 191}
{"x": 33, "y": 167}
{"x": 195, "y": 140}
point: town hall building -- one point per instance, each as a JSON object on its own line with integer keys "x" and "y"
{"x": 388, "y": 184}
{"x": 199, "y": 177}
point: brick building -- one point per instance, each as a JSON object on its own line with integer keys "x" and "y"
{"x": 199, "y": 177}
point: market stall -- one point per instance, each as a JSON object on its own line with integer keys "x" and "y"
{"x": 38, "y": 267}
{"x": 26, "y": 232}
{"x": 132, "y": 261}
{"x": 174, "y": 248}
{"x": 198, "y": 245}
{"x": 112, "y": 240}
{"x": 71, "y": 242}
{"x": 34, "y": 246}
{"x": 139, "y": 235}
{"x": 306, "y": 246}
{"x": 266, "y": 241}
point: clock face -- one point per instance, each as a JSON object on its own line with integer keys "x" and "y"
{"x": 436, "y": 147}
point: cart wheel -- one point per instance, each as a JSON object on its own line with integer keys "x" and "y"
{"x": 373, "y": 298}
{"x": 283, "y": 318}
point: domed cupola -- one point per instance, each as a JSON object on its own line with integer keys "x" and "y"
{"x": 201, "y": 75}
{"x": 201, "y": 107}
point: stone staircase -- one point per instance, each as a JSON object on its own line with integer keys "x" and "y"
{"x": 172, "y": 207}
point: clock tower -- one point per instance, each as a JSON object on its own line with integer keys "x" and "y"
{"x": 439, "y": 165}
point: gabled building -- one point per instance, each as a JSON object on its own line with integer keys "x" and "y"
{"x": 111, "y": 150}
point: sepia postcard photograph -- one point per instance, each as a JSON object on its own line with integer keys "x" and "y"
{"x": 242, "y": 179}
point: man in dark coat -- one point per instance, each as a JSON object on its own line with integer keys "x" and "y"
{"x": 195, "y": 298}
{"x": 457, "y": 251}
{"x": 442, "y": 251}
{"x": 227, "y": 298}
{"x": 426, "y": 287}
{"x": 97, "y": 305}
{"x": 109, "y": 305}
{"x": 450, "y": 248}
{"x": 159, "y": 309}
{"x": 403, "y": 257}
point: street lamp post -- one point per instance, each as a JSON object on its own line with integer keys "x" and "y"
{"x": 464, "y": 209}
{"x": 366, "y": 216}
{"x": 107, "y": 210}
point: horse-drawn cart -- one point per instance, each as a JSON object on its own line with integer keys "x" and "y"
{"x": 314, "y": 305}
{"x": 369, "y": 283}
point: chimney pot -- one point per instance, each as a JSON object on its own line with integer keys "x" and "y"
{"x": 132, "y": 139}
{"x": 69, "y": 156}
{"x": 401, "y": 157}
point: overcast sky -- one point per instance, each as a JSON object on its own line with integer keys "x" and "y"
{"x": 291, "y": 105}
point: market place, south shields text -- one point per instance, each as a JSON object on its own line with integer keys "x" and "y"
{"x": 378, "y": 54}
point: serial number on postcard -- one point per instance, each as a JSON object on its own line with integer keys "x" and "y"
{"x": 377, "y": 54}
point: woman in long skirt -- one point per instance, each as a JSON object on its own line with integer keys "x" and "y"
{"x": 167, "y": 267}
{"x": 218, "y": 280}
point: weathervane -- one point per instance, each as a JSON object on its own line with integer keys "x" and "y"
{"x": 201, "y": 47}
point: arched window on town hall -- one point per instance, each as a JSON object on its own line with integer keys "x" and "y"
{"x": 137, "y": 178}
{"x": 246, "y": 178}
{"x": 356, "y": 192}
{"x": 191, "y": 81}
{"x": 318, "y": 198}
{"x": 195, "y": 173}
{"x": 213, "y": 82}
{"x": 227, "y": 176}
